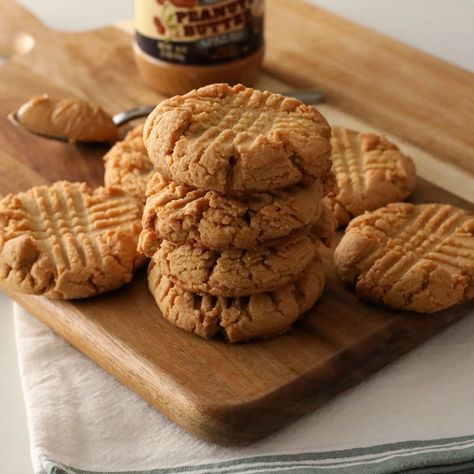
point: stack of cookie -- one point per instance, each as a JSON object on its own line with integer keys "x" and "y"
{"x": 234, "y": 212}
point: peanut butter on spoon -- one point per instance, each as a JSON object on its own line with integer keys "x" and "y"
{"x": 73, "y": 120}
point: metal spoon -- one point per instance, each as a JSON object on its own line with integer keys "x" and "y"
{"x": 121, "y": 118}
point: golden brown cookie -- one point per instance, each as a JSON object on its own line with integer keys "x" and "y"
{"x": 127, "y": 164}
{"x": 237, "y": 139}
{"x": 236, "y": 272}
{"x": 411, "y": 257}
{"x": 263, "y": 315}
{"x": 68, "y": 241}
{"x": 73, "y": 119}
{"x": 370, "y": 173}
{"x": 210, "y": 219}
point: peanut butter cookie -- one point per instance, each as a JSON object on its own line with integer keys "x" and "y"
{"x": 210, "y": 219}
{"x": 370, "y": 173}
{"x": 237, "y": 139}
{"x": 236, "y": 272}
{"x": 410, "y": 257}
{"x": 127, "y": 164}
{"x": 68, "y": 241}
{"x": 263, "y": 315}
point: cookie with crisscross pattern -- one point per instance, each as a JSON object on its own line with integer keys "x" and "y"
{"x": 371, "y": 172}
{"x": 68, "y": 240}
{"x": 237, "y": 139}
{"x": 411, "y": 257}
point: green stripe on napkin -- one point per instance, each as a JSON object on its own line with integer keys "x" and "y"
{"x": 425, "y": 457}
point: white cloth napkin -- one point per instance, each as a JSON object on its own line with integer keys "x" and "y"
{"x": 416, "y": 414}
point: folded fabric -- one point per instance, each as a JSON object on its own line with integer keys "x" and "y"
{"x": 416, "y": 415}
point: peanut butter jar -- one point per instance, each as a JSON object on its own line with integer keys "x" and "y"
{"x": 184, "y": 44}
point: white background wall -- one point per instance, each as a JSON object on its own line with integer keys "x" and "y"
{"x": 442, "y": 27}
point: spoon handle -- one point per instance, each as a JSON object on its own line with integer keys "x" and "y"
{"x": 127, "y": 115}
{"x": 309, "y": 97}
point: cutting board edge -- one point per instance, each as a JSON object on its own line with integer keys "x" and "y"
{"x": 228, "y": 424}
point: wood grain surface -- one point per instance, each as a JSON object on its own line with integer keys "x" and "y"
{"x": 224, "y": 393}
{"x": 424, "y": 99}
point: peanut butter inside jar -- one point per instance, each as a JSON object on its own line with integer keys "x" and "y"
{"x": 184, "y": 44}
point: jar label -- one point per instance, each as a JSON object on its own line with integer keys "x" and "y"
{"x": 199, "y": 31}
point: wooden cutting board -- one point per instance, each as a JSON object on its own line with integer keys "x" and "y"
{"x": 238, "y": 393}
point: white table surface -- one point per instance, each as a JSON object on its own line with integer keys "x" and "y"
{"x": 440, "y": 27}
